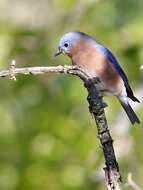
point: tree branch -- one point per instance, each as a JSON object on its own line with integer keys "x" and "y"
{"x": 96, "y": 107}
{"x": 131, "y": 183}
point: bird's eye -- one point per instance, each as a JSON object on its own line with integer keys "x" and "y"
{"x": 66, "y": 44}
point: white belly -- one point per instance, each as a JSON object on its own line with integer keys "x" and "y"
{"x": 105, "y": 90}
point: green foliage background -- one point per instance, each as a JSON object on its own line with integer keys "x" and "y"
{"x": 48, "y": 139}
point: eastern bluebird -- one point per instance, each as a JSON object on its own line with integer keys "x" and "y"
{"x": 98, "y": 61}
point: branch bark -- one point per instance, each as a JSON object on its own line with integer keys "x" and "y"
{"x": 96, "y": 107}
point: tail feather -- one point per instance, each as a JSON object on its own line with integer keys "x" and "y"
{"x": 130, "y": 112}
{"x": 130, "y": 93}
{"x": 134, "y": 99}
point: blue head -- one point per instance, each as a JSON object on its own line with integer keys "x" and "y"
{"x": 70, "y": 40}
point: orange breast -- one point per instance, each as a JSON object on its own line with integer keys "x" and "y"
{"x": 95, "y": 64}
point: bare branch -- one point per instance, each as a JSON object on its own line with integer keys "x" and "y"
{"x": 12, "y": 70}
{"x": 73, "y": 70}
{"x": 96, "y": 107}
{"x": 141, "y": 67}
{"x": 131, "y": 183}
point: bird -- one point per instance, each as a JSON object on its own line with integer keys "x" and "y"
{"x": 98, "y": 61}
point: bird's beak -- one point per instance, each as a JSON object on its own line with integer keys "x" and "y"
{"x": 59, "y": 52}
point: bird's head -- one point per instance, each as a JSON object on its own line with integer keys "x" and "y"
{"x": 72, "y": 42}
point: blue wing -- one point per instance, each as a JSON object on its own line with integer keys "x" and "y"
{"x": 118, "y": 68}
{"x": 107, "y": 53}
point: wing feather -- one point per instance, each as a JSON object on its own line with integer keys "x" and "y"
{"x": 118, "y": 68}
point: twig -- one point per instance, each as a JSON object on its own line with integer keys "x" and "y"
{"x": 12, "y": 70}
{"x": 96, "y": 107}
{"x": 131, "y": 183}
{"x": 141, "y": 67}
